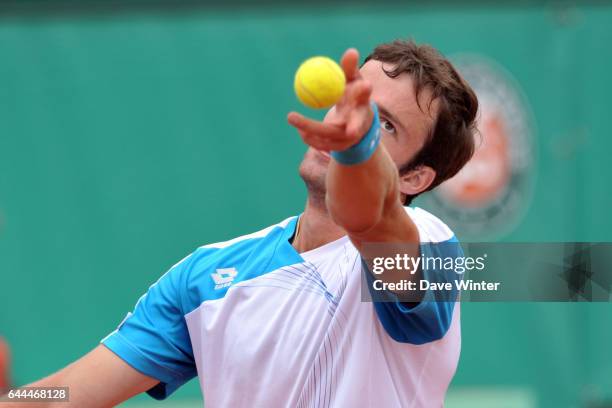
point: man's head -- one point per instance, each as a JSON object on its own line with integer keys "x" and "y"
{"x": 427, "y": 113}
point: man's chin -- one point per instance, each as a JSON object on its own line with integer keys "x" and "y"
{"x": 322, "y": 155}
{"x": 313, "y": 170}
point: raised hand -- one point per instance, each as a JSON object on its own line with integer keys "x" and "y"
{"x": 351, "y": 117}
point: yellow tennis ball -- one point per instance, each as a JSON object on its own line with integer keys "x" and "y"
{"x": 319, "y": 82}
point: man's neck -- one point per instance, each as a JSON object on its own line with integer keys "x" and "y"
{"x": 316, "y": 228}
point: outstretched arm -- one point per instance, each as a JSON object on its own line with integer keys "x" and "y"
{"x": 363, "y": 198}
{"x": 99, "y": 379}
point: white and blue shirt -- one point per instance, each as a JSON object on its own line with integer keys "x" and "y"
{"x": 264, "y": 326}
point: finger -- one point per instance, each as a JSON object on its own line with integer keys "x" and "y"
{"x": 359, "y": 93}
{"x": 359, "y": 122}
{"x": 322, "y": 143}
{"x": 350, "y": 64}
{"x": 312, "y": 126}
{"x": 364, "y": 93}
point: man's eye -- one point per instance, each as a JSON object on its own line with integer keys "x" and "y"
{"x": 387, "y": 126}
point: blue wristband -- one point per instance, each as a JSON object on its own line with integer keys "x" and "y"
{"x": 364, "y": 149}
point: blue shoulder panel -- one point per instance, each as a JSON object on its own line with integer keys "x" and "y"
{"x": 154, "y": 339}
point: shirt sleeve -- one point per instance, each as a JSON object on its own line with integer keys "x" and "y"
{"x": 430, "y": 319}
{"x": 154, "y": 338}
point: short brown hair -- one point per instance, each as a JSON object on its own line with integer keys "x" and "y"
{"x": 450, "y": 144}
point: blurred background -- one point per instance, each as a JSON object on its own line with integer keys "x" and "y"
{"x": 133, "y": 132}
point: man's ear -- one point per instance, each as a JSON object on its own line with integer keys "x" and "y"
{"x": 417, "y": 180}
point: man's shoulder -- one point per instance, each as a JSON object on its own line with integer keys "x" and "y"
{"x": 252, "y": 237}
{"x": 209, "y": 271}
{"x": 255, "y": 248}
{"x": 431, "y": 228}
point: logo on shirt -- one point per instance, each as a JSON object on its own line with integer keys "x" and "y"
{"x": 224, "y": 277}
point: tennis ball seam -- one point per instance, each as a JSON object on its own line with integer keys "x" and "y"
{"x": 333, "y": 67}
{"x": 306, "y": 90}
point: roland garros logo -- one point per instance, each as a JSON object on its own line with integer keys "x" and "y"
{"x": 488, "y": 197}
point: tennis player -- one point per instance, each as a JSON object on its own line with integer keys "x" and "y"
{"x": 276, "y": 318}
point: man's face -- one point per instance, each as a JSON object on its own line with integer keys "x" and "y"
{"x": 404, "y": 126}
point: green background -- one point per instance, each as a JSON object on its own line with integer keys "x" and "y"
{"x": 130, "y": 135}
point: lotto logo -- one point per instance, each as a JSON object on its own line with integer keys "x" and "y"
{"x": 224, "y": 277}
